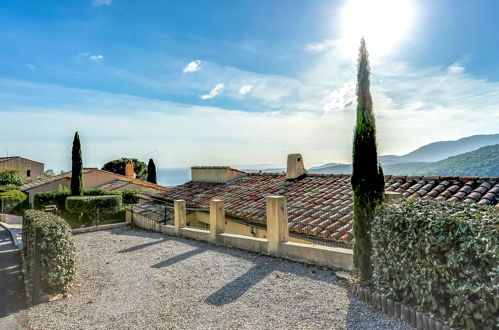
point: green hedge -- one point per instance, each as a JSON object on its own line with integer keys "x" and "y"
{"x": 58, "y": 263}
{"x": 58, "y": 197}
{"x": 12, "y": 199}
{"x": 94, "y": 205}
{"x": 442, "y": 257}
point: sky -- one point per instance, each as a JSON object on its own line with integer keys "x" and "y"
{"x": 240, "y": 82}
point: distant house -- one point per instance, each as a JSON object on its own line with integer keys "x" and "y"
{"x": 31, "y": 168}
{"x": 320, "y": 206}
{"x": 92, "y": 178}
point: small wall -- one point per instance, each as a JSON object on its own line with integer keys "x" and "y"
{"x": 275, "y": 244}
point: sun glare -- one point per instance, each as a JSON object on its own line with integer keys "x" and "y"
{"x": 382, "y": 22}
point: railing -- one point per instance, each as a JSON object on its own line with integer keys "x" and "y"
{"x": 275, "y": 244}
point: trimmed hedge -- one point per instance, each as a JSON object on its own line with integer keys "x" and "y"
{"x": 58, "y": 254}
{"x": 12, "y": 199}
{"x": 441, "y": 257}
{"x": 58, "y": 197}
{"x": 94, "y": 205}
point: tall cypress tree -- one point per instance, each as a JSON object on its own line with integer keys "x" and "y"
{"x": 367, "y": 176}
{"x": 76, "y": 168}
{"x": 151, "y": 171}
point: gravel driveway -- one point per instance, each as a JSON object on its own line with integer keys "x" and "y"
{"x": 134, "y": 279}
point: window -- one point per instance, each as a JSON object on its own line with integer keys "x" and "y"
{"x": 28, "y": 173}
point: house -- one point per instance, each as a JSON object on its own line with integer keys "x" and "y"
{"x": 31, "y": 168}
{"x": 319, "y": 206}
{"x": 92, "y": 178}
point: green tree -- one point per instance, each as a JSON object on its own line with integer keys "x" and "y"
{"x": 118, "y": 166}
{"x": 76, "y": 168}
{"x": 151, "y": 171}
{"x": 367, "y": 174}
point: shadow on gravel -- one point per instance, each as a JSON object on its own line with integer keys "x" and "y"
{"x": 178, "y": 258}
{"x": 141, "y": 246}
{"x": 263, "y": 266}
{"x": 235, "y": 289}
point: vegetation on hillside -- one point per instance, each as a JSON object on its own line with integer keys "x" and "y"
{"x": 481, "y": 162}
{"x": 367, "y": 175}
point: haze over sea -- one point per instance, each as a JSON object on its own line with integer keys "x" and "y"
{"x": 173, "y": 176}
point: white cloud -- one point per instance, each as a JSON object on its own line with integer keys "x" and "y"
{"x": 192, "y": 66}
{"x": 214, "y": 92}
{"x": 30, "y": 66}
{"x": 96, "y": 58}
{"x": 321, "y": 46}
{"x": 455, "y": 68}
{"x": 84, "y": 54}
{"x": 245, "y": 89}
{"x": 99, "y": 3}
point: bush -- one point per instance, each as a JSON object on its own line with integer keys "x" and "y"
{"x": 442, "y": 257}
{"x": 58, "y": 253}
{"x": 93, "y": 206}
{"x": 13, "y": 176}
{"x": 8, "y": 187}
{"x": 129, "y": 196}
{"x": 12, "y": 200}
{"x": 57, "y": 197}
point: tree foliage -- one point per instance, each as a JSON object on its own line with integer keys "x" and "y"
{"x": 367, "y": 175}
{"x": 10, "y": 175}
{"x": 118, "y": 166}
{"x": 76, "y": 168}
{"x": 151, "y": 171}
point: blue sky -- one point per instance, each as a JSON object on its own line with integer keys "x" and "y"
{"x": 240, "y": 82}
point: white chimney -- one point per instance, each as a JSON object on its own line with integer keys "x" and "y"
{"x": 295, "y": 169}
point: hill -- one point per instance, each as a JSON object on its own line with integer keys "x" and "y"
{"x": 394, "y": 169}
{"x": 481, "y": 162}
{"x": 443, "y": 149}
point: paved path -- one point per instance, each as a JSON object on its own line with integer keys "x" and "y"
{"x": 11, "y": 282}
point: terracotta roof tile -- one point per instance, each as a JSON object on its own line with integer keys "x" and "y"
{"x": 321, "y": 204}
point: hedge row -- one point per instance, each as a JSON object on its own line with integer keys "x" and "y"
{"x": 93, "y": 206}
{"x": 58, "y": 197}
{"x": 58, "y": 253}
{"x": 441, "y": 257}
{"x": 12, "y": 199}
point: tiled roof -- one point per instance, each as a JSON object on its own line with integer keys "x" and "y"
{"x": 320, "y": 204}
{"x": 123, "y": 184}
{"x": 4, "y": 159}
{"x": 119, "y": 183}
{"x": 482, "y": 191}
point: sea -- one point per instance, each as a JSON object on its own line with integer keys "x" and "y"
{"x": 173, "y": 176}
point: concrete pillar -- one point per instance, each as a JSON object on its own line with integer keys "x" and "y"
{"x": 392, "y": 196}
{"x": 217, "y": 218}
{"x": 277, "y": 223}
{"x": 180, "y": 215}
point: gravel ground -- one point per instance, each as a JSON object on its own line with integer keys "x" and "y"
{"x": 132, "y": 279}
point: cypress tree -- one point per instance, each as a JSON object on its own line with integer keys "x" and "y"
{"x": 76, "y": 168}
{"x": 367, "y": 174}
{"x": 151, "y": 171}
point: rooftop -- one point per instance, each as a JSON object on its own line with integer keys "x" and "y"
{"x": 319, "y": 204}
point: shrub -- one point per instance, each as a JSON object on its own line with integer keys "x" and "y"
{"x": 58, "y": 253}
{"x": 442, "y": 257}
{"x": 94, "y": 205}
{"x": 129, "y": 196}
{"x": 57, "y": 197}
{"x": 10, "y": 175}
{"x": 8, "y": 187}
{"x": 11, "y": 200}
